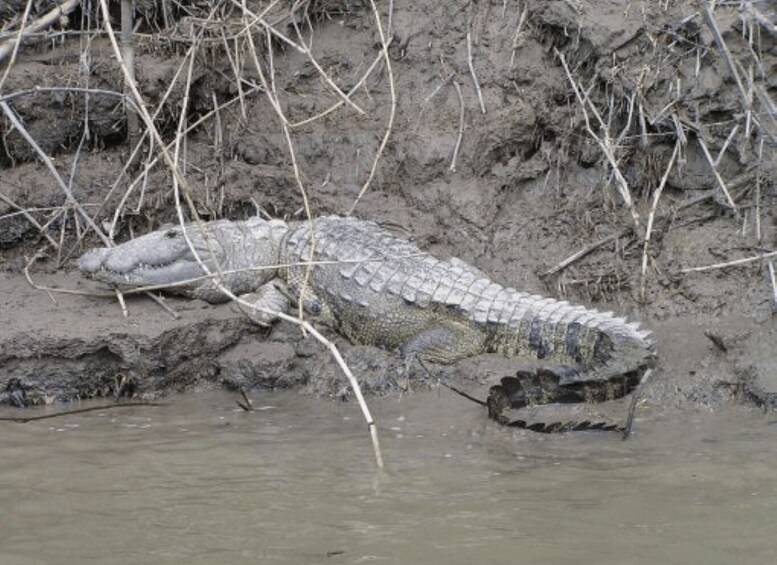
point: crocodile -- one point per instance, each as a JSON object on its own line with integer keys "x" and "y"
{"x": 377, "y": 288}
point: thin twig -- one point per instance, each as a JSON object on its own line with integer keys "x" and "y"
{"x": 461, "y": 125}
{"x": 354, "y": 385}
{"x": 25, "y": 419}
{"x": 627, "y": 128}
{"x": 437, "y": 88}
{"x": 642, "y": 126}
{"x": 448, "y": 385}
{"x": 472, "y": 72}
{"x": 586, "y": 250}
{"x": 160, "y": 301}
{"x": 633, "y": 404}
{"x": 16, "y": 44}
{"x": 758, "y": 232}
{"x": 328, "y": 80}
{"x": 726, "y": 144}
{"x": 247, "y": 405}
{"x": 384, "y": 41}
{"x": 272, "y": 96}
{"x": 123, "y": 305}
{"x": 235, "y": 64}
{"x": 218, "y": 145}
{"x": 772, "y": 285}
{"x": 651, "y": 217}
{"x": 515, "y": 44}
{"x": 38, "y": 89}
{"x": 709, "y": 19}
{"x": 734, "y": 263}
{"x": 85, "y": 72}
{"x": 176, "y": 155}
{"x": 718, "y": 178}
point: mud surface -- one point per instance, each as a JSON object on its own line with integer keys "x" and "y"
{"x": 526, "y": 187}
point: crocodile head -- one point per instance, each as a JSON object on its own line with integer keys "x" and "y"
{"x": 165, "y": 257}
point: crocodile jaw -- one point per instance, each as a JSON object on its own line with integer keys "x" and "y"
{"x": 161, "y": 257}
{"x": 98, "y": 264}
{"x": 246, "y": 253}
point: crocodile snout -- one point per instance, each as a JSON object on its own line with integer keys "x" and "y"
{"x": 93, "y": 260}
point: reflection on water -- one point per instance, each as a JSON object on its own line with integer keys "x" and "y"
{"x": 294, "y": 482}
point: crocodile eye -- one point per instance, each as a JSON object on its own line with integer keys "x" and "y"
{"x": 171, "y": 234}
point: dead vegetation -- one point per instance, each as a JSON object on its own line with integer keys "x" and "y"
{"x": 647, "y": 127}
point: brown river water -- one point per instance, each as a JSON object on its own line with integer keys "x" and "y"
{"x": 198, "y": 481}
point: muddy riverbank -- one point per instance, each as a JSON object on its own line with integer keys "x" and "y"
{"x": 487, "y": 157}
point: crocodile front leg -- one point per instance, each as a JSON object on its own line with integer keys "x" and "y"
{"x": 269, "y": 298}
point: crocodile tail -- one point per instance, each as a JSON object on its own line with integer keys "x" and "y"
{"x": 596, "y": 343}
{"x": 622, "y": 347}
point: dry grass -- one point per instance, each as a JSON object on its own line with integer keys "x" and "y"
{"x": 676, "y": 125}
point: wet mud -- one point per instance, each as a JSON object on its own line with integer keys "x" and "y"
{"x": 505, "y": 175}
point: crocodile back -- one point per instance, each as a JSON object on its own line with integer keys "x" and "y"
{"x": 360, "y": 258}
{"x": 384, "y": 290}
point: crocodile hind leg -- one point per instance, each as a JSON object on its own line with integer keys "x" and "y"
{"x": 443, "y": 344}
